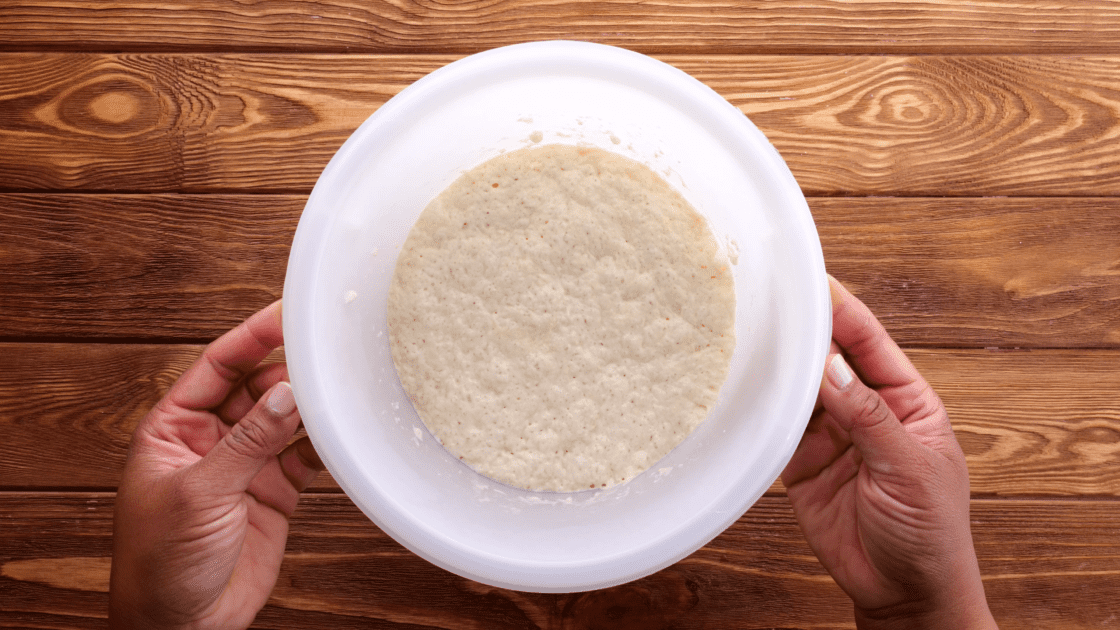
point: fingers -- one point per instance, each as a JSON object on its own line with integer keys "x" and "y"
{"x": 832, "y": 349}
{"x": 245, "y": 396}
{"x": 859, "y": 410}
{"x": 227, "y": 360}
{"x": 300, "y": 463}
{"x": 278, "y": 485}
{"x": 878, "y": 360}
{"x": 876, "y": 356}
{"x": 823, "y": 443}
{"x": 245, "y": 449}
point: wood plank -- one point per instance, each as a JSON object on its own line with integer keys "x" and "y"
{"x": 1042, "y": 272}
{"x": 183, "y": 122}
{"x": 693, "y": 26}
{"x": 939, "y": 272}
{"x": 851, "y": 125}
{"x": 141, "y": 266}
{"x": 1026, "y": 427}
{"x": 1038, "y": 559}
{"x": 1035, "y": 423}
{"x": 69, "y": 410}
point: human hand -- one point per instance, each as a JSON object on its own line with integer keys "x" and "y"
{"x": 880, "y": 488}
{"x": 202, "y": 511}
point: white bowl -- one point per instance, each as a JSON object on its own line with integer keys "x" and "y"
{"x": 342, "y": 259}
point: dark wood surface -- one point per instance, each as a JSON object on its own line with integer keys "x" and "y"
{"x": 341, "y": 571}
{"x": 960, "y": 272}
{"x": 1032, "y": 423}
{"x": 688, "y": 26}
{"x": 962, "y": 161}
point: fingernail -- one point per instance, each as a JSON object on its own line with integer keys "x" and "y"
{"x": 834, "y": 291}
{"x": 281, "y": 401}
{"x": 839, "y": 374}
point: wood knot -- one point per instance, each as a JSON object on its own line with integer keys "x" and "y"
{"x": 909, "y": 107}
{"x": 107, "y": 106}
{"x": 115, "y": 107}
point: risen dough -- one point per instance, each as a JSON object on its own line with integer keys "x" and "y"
{"x": 561, "y": 318}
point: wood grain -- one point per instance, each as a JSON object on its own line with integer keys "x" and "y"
{"x": 184, "y": 122}
{"x": 847, "y": 125}
{"x": 143, "y": 267}
{"x": 1031, "y": 423}
{"x": 938, "y": 272}
{"x": 1042, "y": 422}
{"x": 1042, "y": 272}
{"x": 961, "y": 163}
{"x": 1039, "y": 559}
{"x": 692, "y": 26}
{"x": 67, "y": 411}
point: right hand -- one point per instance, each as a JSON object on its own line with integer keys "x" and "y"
{"x": 880, "y": 488}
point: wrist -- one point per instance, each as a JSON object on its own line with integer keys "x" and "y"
{"x": 968, "y": 611}
{"x": 120, "y": 619}
{"x": 124, "y": 613}
{"x": 130, "y": 609}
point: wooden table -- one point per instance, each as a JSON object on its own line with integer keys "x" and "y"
{"x": 962, "y": 161}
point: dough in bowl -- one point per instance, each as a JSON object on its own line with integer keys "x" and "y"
{"x": 561, "y": 318}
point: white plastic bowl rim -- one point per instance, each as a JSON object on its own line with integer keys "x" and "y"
{"x": 345, "y": 248}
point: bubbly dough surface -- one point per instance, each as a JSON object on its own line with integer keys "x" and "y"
{"x": 561, "y": 318}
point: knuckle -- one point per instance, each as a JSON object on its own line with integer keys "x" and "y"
{"x": 926, "y": 396}
{"x": 934, "y": 404}
{"x": 250, "y": 438}
{"x": 870, "y": 407}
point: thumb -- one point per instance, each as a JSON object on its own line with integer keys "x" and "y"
{"x": 261, "y": 434}
{"x": 874, "y": 428}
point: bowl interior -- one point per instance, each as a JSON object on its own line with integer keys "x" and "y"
{"x": 342, "y": 260}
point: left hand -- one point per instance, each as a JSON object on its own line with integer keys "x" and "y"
{"x": 203, "y": 505}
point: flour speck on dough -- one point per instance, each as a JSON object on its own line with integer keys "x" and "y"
{"x": 561, "y": 318}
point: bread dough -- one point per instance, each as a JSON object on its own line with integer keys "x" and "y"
{"x": 561, "y": 318}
